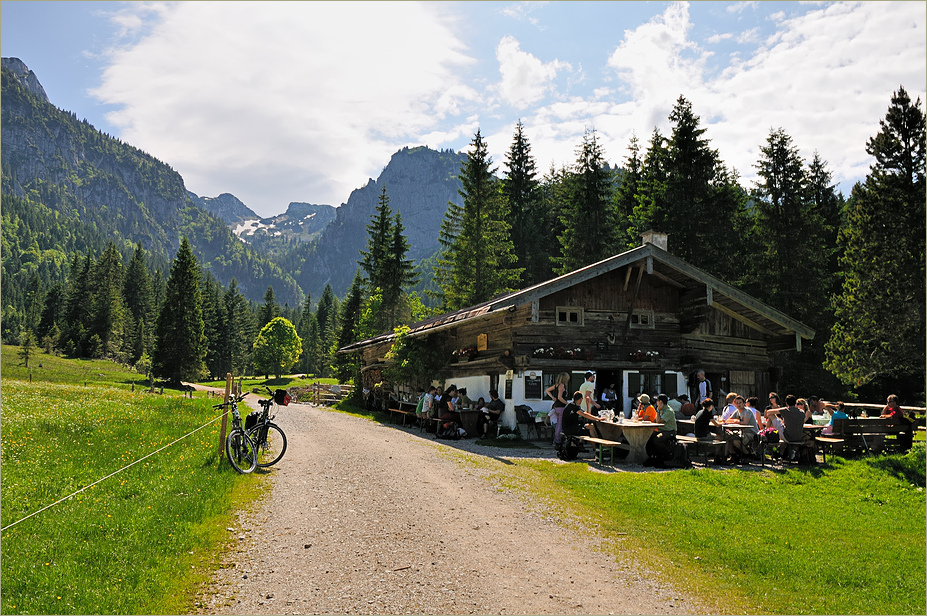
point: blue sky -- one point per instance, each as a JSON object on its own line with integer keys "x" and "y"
{"x": 304, "y": 101}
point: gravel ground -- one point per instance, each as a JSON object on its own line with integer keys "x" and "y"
{"x": 365, "y": 518}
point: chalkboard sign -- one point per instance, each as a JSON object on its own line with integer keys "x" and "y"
{"x": 508, "y": 389}
{"x": 533, "y": 387}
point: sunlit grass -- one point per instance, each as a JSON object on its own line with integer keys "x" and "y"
{"x": 848, "y": 538}
{"x": 135, "y": 543}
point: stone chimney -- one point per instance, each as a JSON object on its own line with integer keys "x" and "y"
{"x": 656, "y": 238}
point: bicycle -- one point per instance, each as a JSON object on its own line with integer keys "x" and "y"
{"x": 264, "y": 433}
{"x": 239, "y": 448}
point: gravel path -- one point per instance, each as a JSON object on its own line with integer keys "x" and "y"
{"x": 371, "y": 519}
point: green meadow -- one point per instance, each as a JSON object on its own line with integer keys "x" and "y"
{"x": 141, "y": 541}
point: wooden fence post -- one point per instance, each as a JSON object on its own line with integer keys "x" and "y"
{"x": 225, "y": 412}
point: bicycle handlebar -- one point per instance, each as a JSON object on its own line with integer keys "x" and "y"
{"x": 234, "y": 400}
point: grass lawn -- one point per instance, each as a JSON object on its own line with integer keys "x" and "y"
{"x": 141, "y": 541}
{"x": 848, "y": 538}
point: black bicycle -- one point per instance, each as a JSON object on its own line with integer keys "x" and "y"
{"x": 269, "y": 440}
{"x": 239, "y": 448}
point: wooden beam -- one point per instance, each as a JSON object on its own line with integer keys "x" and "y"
{"x": 667, "y": 279}
{"x": 709, "y": 296}
{"x": 637, "y": 287}
{"x": 535, "y": 311}
{"x": 627, "y": 278}
{"x": 744, "y": 320}
{"x": 649, "y": 264}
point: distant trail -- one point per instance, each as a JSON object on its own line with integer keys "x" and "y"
{"x": 372, "y": 519}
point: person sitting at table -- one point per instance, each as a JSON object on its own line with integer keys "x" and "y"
{"x": 573, "y": 423}
{"x": 741, "y": 443}
{"x": 609, "y": 397}
{"x": 793, "y": 415}
{"x": 753, "y": 404}
{"x": 838, "y": 413}
{"x": 463, "y": 401}
{"x": 676, "y": 405}
{"x": 489, "y": 418}
{"x": 729, "y": 409}
{"x": 633, "y": 405}
{"x": 423, "y": 402}
{"x": 661, "y": 442}
{"x": 645, "y": 411}
{"x": 774, "y": 403}
{"x": 447, "y": 412}
{"x": 687, "y": 409}
{"x": 893, "y": 413}
{"x": 704, "y": 421}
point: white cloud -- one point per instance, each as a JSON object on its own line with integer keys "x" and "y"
{"x": 739, "y": 7}
{"x": 525, "y": 79}
{"x": 285, "y": 99}
{"x": 717, "y": 38}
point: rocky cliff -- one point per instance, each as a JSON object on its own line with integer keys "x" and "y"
{"x": 419, "y": 182}
{"x": 26, "y": 77}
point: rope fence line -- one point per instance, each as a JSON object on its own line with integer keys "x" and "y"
{"x": 87, "y": 487}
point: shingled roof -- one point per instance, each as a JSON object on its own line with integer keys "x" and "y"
{"x": 657, "y": 262}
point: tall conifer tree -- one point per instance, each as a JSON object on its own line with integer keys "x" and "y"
{"x": 483, "y": 258}
{"x": 524, "y": 212}
{"x": 880, "y": 312}
{"x": 180, "y": 344}
{"x": 589, "y": 221}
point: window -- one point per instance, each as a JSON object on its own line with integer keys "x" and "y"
{"x": 569, "y": 316}
{"x": 642, "y": 319}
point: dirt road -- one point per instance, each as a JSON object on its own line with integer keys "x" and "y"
{"x": 371, "y": 519}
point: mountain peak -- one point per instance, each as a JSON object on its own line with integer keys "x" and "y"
{"x": 26, "y": 77}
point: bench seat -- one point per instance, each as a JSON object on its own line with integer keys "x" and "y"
{"x": 605, "y": 444}
{"x": 709, "y": 446}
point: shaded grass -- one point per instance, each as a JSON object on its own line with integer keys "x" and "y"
{"x": 844, "y": 539}
{"x": 53, "y": 369}
{"x": 139, "y": 542}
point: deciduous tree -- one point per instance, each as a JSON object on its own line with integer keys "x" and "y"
{"x": 277, "y": 347}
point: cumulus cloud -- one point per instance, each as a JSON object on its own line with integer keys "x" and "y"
{"x": 284, "y": 100}
{"x": 525, "y": 78}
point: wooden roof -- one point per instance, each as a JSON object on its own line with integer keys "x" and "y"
{"x": 652, "y": 260}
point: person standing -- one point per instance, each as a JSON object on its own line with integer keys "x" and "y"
{"x": 557, "y": 393}
{"x": 609, "y": 397}
{"x": 587, "y": 389}
{"x": 704, "y": 388}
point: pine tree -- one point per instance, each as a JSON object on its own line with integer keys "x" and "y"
{"x": 483, "y": 262}
{"x": 626, "y": 194}
{"x": 139, "y": 301}
{"x": 589, "y": 221}
{"x": 180, "y": 343}
{"x": 77, "y": 308}
{"x": 326, "y": 316}
{"x": 880, "y": 311}
{"x": 523, "y": 210}
{"x": 345, "y": 366}
{"x": 107, "y": 309}
{"x": 214, "y": 322}
{"x": 270, "y": 309}
{"x": 240, "y": 330}
{"x": 447, "y": 239}
{"x": 379, "y": 234}
{"x": 787, "y": 268}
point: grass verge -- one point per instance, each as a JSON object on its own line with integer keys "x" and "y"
{"x": 848, "y": 538}
{"x": 141, "y": 541}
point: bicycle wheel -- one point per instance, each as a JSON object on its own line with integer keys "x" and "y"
{"x": 270, "y": 442}
{"x": 240, "y": 451}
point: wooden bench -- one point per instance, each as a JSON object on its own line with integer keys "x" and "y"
{"x": 605, "y": 444}
{"x": 403, "y": 414}
{"x": 709, "y": 446}
{"x": 861, "y": 435}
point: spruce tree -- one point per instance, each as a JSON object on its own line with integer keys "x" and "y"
{"x": 238, "y": 334}
{"x": 140, "y": 305}
{"x": 107, "y": 310}
{"x": 880, "y": 311}
{"x": 77, "y": 307}
{"x": 180, "y": 343}
{"x": 589, "y": 221}
{"x": 269, "y": 309}
{"x": 379, "y": 234}
{"x": 523, "y": 210}
{"x": 626, "y": 195}
{"x": 483, "y": 261}
{"x": 345, "y": 366}
{"x": 327, "y": 318}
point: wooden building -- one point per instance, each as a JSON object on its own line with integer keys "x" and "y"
{"x": 643, "y": 320}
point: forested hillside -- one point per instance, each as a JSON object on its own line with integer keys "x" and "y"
{"x": 66, "y": 186}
